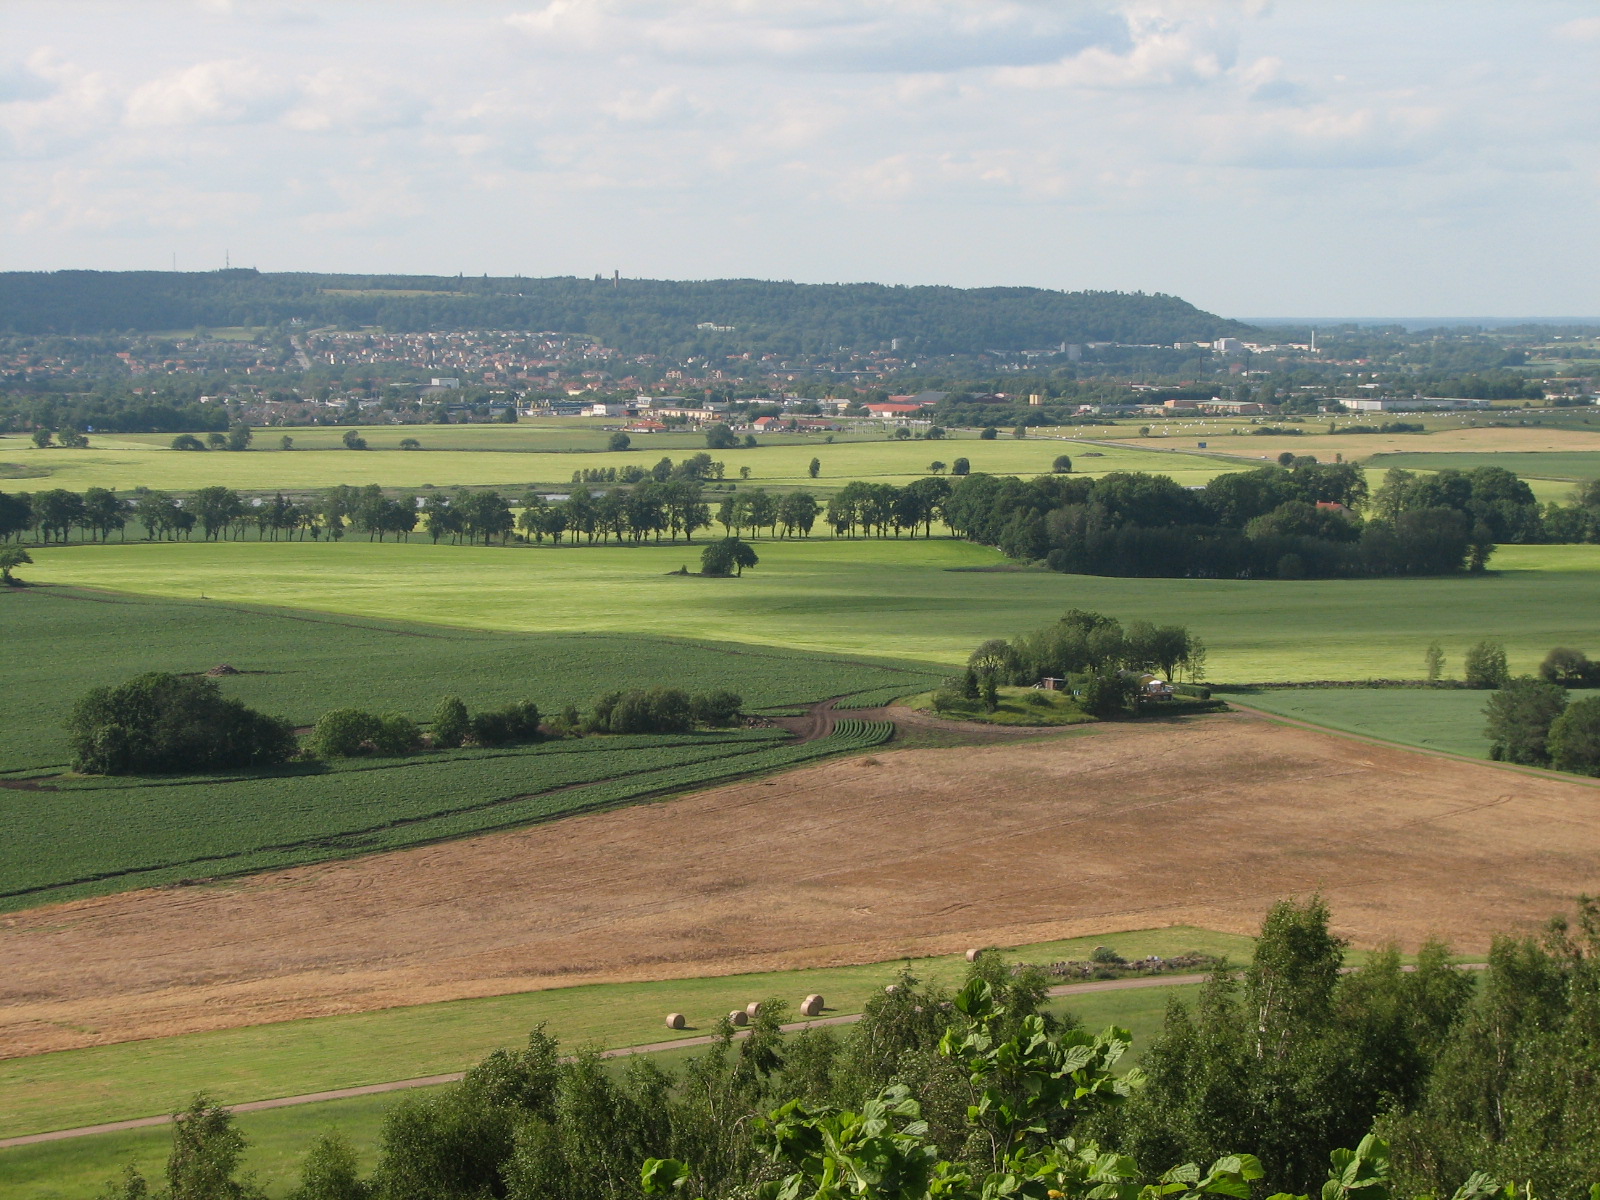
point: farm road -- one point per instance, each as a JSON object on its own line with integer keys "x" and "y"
{"x": 399, "y": 1085}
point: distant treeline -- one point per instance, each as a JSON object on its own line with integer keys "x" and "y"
{"x": 637, "y": 316}
{"x": 1302, "y": 520}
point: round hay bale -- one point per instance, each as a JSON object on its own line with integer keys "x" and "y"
{"x": 972, "y": 955}
{"x": 676, "y": 1021}
{"x": 811, "y": 1006}
{"x": 753, "y": 1009}
{"x": 223, "y": 669}
{"x": 738, "y": 1018}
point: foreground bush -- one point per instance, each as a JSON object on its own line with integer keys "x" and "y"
{"x": 162, "y": 723}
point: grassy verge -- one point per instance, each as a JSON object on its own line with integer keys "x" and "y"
{"x": 134, "y": 1079}
{"x": 78, "y": 1169}
{"x": 1017, "y": 706}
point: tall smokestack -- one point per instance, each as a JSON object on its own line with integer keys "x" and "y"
{"x": 616, "y": 278}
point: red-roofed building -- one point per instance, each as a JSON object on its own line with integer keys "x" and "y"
{"x": 894, "y": 409}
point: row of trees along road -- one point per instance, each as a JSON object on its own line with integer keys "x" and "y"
{"x": 1269, "y": 1076}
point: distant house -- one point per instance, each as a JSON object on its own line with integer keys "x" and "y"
{"x": 891, "y": 408}
{"x": 645, "y": 427}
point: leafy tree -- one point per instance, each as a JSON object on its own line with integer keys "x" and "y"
{"x": 720, "y": 437}
{"x": 216, "y": 508}
{"x": 716, "y": 708}
{"x": 286, "y": 442}
{"x": 187, "y": 441}
{"x": 991, "y": 694}
{"x": 240, "y": 437}
{"x": 1569, "y": 668}
{"x": 12, "y": 557}
{"x": 936, "y": 467}
{"x": 1433, "y": 661}
{"x": 729, "y": 555}
{"x": 353, "y": 440}
{"x": 1519, "y": 717}
{"x": 16, "y": 514}
{"x": 158, "y": 723}
{"x": 1574, "y": 741}
{"x": 960, "y": 467}
{"x": 1020, "y": 432}
{"x": 989, "y": 433}
{"x": 330, "y": 1171}
{"x": 216, "y": 440}
{"x": 618, "y": 441}
{"x": 410, "y": 443}
{"x": 1485, "y": 666}
{"x": 72, "y": 439}
{"x": 450, "y": 723}
{"x": 396, "y": 734}
{"x": 516, "y": 723}
{"x": 343, "y": 733}
{"x": 41, "y": 438}
{"x": 970, "y": 689}
{"x": 1062, "y": 464}
{"x": 814, "y": 468}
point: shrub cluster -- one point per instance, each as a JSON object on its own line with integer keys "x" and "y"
{"x": 162, "y": 723}
{"x": 453, "y": 725}
{"x": 1530, "y": 721}
{"x": 661, "y": 710}
{"x": 347, "y": 732}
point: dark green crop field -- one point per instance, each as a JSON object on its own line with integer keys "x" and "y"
{"x": 69, "y": 836}
{"x": 59, "y": 642}
{"x": 1576, "y": 465}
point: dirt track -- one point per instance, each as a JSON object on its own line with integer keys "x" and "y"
{"x": 857, "y": 859}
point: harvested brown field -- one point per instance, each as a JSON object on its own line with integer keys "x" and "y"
{"x": 1200, "y": 821}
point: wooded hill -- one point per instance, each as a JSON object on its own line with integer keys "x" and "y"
{"x": 636, "y": 316}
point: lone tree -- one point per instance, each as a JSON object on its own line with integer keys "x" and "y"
{"x": 353, "y": 440}
{"x": 1485, "y": 666}
{"x": 730, "y": 555}
{"x": 41, "y": 438}
{"x": 619, "y": 441}
{"x": 160, "y": 722}
{"x": 12, "y": 557}
{"x": 814, "y": 468}
{"x": 720, "y": 437}
{"x": 1062, "y": 465}
{"x": 1433, "y": 661}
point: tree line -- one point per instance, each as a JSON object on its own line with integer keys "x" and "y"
{"x": 161, "y": 723}
{"x": 1300, "y": 519}
{"x": 1259, "y": 1088}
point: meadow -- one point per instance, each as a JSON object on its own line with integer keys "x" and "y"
{"x": 72, "y": 1088}
{"x": 507, "y": 457}
{"x": 1572, "y": 466}
{"x": 1449, "y": 719}
{"x": 278, "y": 1138}
{"x": 931, "y": 601}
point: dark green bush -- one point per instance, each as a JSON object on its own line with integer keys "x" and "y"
{"x": 344, "y": 733}
{"x": 450, "y": 723}
{"x": 160, "y": 723}
{"x": 716, "y": 708}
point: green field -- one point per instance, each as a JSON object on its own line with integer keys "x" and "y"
{"x": 78, "y": 1169}
{"x": 1436, "y": 719}
{"x": 1573, "y": 466}
{"x": 132, "y": 1079}
{"x": 896, "y": 599}
{"x": 300, "y": 664}
{"x": 488, "y": 455}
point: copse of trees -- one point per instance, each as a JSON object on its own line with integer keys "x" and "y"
{"x": 727, "y": 556}
{"x": 661, "y": 710}
{"x": 161, "y": 723}
{"x": 1285, "y": 523}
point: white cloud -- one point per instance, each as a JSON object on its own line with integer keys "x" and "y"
{"x": 225, "y": 92}
{"x": 337, "y": 100}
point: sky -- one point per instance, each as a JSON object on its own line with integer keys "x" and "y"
{"x": 1260, "y": 159}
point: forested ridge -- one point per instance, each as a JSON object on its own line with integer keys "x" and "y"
{"x": 635, "y": 316}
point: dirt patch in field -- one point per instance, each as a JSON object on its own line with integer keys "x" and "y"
{"x": 1196, "y": 821}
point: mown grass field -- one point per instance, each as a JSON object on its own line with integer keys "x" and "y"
{"x": 506, "y": 457}
{"x": 278, "y": 1139}
{"x": 132, "y": 1079}
{"x": 1570, "y": 466}
{"x": 1434, "y": 719}
{"x": 930, "y": 601}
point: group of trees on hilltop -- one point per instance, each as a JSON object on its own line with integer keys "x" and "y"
{"x": 1286, "y": 1077}
{"x": 639, "y": 316}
